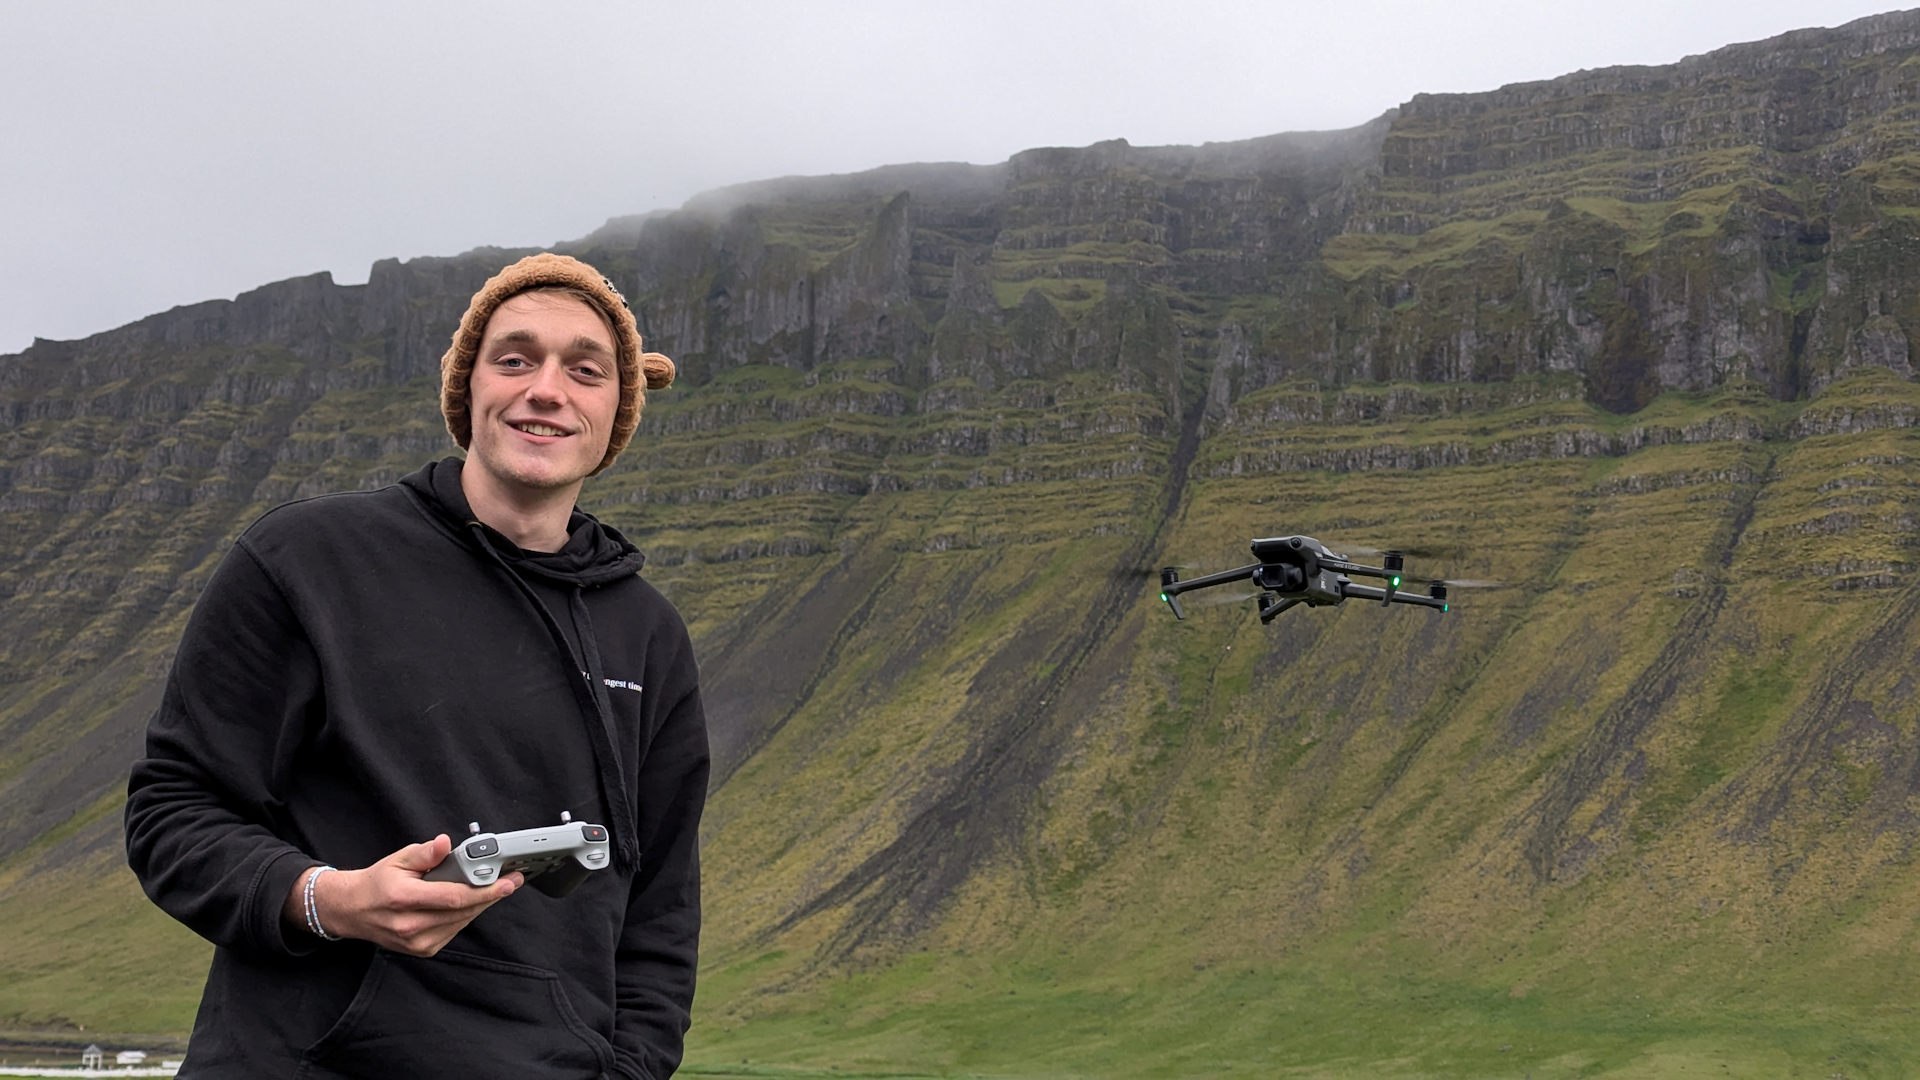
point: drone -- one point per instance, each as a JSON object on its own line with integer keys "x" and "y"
{"x": 1301, "y": 570}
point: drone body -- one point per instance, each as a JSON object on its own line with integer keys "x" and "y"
{"x": 1301, "y": 570}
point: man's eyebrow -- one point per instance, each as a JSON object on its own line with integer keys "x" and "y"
{"x": 583, "y": 343}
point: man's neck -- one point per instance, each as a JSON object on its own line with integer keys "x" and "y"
{"x": 535, "y": 520}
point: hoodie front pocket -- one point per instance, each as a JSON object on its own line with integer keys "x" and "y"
{"x": 457, "y": 1015}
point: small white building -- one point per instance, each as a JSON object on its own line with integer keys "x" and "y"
{"x": 90, "y": 1058}
{"x": 130, "y": 1057}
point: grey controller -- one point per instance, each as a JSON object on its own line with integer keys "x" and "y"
{"x": 555, "y": 858}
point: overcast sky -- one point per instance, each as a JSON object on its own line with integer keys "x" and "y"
{"x": 154, "y": 154}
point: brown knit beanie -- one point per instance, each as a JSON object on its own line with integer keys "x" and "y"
{"x": 639, "y": 371}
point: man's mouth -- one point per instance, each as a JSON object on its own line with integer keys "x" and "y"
{"x": 532, "y": 428}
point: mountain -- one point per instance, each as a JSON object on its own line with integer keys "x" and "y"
{"x": 1634, "y": 345}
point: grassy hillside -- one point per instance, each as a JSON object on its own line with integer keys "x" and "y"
{"x": 1643, "y": 809}
{"x": 1645, "y": 805}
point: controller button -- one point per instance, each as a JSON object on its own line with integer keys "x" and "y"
{"x": 483, "y": 872}
{"x": 596, "y": 856}
{"x": 480, "y": 849}
{"x": 593, "y": 833}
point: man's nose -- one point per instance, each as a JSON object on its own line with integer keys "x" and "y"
{"x": 549, "y": 382}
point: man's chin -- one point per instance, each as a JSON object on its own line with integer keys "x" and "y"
{"x": 541, "y": 479}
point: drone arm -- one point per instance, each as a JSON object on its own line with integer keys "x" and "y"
{"x": 1175, "y": 588}
{"x": 1367, "y": 592}
{"x": 1171, "y": 586}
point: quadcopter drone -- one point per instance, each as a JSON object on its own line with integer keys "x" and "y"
{"x": 1301, "y": 570}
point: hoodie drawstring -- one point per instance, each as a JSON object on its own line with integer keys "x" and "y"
{"x": 592, "y": 697}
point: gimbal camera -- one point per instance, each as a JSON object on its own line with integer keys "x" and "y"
{"x": 1301, "y": 570}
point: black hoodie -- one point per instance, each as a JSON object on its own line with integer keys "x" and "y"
{"x": 367, "y": 670}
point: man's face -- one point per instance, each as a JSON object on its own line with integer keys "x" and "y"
{"x": 543, "y": 393}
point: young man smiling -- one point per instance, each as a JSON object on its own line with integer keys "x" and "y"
{"x": 542, "y": 399}
{"x": 368, "y": 669}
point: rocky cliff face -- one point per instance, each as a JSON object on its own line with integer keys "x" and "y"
{"x": 1634, "y": 343}
{"x": 1738, "y": 215}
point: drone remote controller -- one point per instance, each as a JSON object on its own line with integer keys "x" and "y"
{"x": 555, "y": 858}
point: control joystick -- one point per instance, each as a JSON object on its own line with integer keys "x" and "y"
{"x": 554, "y": 858}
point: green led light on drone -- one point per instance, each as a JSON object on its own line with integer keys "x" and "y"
{"x": 1163, "y": 596}
{"x": 1394, "y": 581}
{"x": 1444, "y": 607}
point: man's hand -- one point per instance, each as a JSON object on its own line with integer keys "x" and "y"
{"x": 390, "y": 905}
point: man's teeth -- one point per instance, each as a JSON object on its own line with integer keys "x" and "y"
{"x": 539, "y": 429}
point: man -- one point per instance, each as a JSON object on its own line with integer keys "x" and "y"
{"x": 368, "y": 669}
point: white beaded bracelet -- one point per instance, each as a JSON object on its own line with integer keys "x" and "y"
{"x": 313, "y": 913}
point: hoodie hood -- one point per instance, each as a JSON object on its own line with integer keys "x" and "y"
{"x": 595, "y": 552}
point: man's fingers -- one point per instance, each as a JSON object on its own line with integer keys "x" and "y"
{"x": 391, "y": 905}
{"x": 443, "y": 895}
{"x": 453, "y": 895}
{"x": 437, "y": 911}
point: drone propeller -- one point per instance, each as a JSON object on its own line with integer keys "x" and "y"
{"x": 1428, "y": 551}
{"x": 1222, "y": 599}
{"x": 1437, "y": 589}
{"x": 1461, "y": 583}
{"x": 1142, "y": 570}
